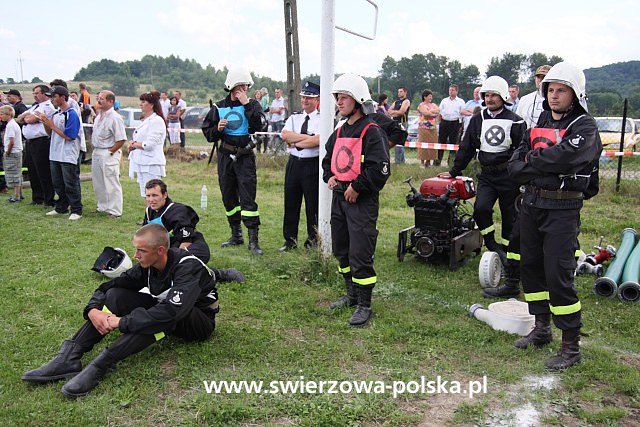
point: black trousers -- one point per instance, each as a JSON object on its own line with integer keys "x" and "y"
{"x": 238, "y": 185}
{"x": 39, "y": 170}
{"x": 354, "y": 235}
{"x": 494, "y": 187}
{"x": 448, "y": 133}
{"x": 300, "y": 180}
{"x": 549, "y": 239}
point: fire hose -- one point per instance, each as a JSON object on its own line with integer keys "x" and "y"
{"x": 607, "y": 285}
{"x": 629, "y": 290}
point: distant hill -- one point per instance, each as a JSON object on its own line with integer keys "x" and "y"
{"x": 621, "y": 77}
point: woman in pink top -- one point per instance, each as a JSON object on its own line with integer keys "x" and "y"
{"x": 427, "y": 131}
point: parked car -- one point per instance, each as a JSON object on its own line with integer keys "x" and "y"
{"x": 412, "y": 128}
{"x": 131, "y": 116}
{"x": 194, "y": 116}
{"x": 610, "y": 129}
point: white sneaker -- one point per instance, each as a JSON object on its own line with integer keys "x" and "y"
{"x": 53, "y": 212}
{"x": 74, "y": 217}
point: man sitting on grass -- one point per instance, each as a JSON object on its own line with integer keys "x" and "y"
{"x": 182, "y": 300}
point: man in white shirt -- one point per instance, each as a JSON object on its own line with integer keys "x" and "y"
{"x": 530, "y": 105}
{"x": 450, "y": 119}
{"x": 183, "y": 107}
{"x": 471, "y": 105}
{"x": 514, "y": 91}
{"x": 108, "y": 137}
{"x": 164, "y": 103}
{"x": 301, "y": 133}
{"x": 277, "y": 111}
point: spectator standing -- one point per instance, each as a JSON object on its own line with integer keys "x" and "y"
{"x": 85, "y": 102}
{"x": 450, "y": 119}
{"x": 301, "y": 133}
{"x": 64, "y": 154}
{"x": 469, "y": 109}
{"x": 261, "y": 140}
{"x": 12, "y": 156}
{"x": 427, "y": 128}
{"x": 232, "y": 121}
{"x": 264, "y": 100}
{"x": 38, "y": 144}
{"x": 530, "y": 105}
{"x": 399, "y": 112}
{"x": 183, "y": 108}
{"x": 15, "y": 100}
{"x": 356, "y": 186}
{"x": 73, "y": 103}
{"x": 108, "y": 137}
{"x": 165, "y": 103}
{"x": 146, "y": 155}
{"x": 277, "y": 111}
{"x": 557, "y": 161}
{"x": 514, "y": 91}
{"x": 383, "y": 104}
{"x": 173, "y": 117}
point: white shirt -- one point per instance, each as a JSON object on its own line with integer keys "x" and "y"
{"x": 450, "y": 109}
{"x": 36, "y": 130}
{"x": 13, "y": 131}
{"x": 151, "y": 133}
{"x": 183, "y": 106}
{"x": 108, "y": 128}
{"x": 277, "y": 103}
{"x": 165, "y": 104}
{"x": 530, "y": 108}
{"x": 294, "y": 124}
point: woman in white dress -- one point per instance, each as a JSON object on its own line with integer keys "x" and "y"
{"x": 146, "y": 150}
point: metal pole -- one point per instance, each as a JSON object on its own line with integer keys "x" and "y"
{"x": 624, "y": 126}
{"x": 327, "y": 109}
{"x": 293, "y": 55}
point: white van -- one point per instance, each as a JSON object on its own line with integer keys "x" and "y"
{"x": 131, "y": 116}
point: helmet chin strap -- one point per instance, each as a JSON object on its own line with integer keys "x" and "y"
{"x": 564, "y": 113}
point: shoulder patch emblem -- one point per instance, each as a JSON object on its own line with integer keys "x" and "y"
{"x": 175, "y": 299}
{"x": 577, "y": 141}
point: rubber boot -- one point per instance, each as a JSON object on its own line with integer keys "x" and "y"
{"x": 254, "y": 245}
{"x": 509, "y": 289}
{"x": 65, "y": 365}
{"x": 236, "y": 236}
{"x": 90, "y": 377}
{"x": 229, "y": 275}
{"x": 348, "y": 300}
{"x": 540, "y": 335}
{"x": 363, "y": 312}
{"x": 493, "y": 246}
{"x": 569, "y": 353}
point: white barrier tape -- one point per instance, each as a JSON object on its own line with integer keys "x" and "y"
{"x": 436, "y": 146}
{"x": 619, "y": 154}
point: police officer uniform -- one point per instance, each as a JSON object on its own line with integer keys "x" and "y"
{"x": 301, "y": 175}
{"x": 180, "y": 221}
{"x": 237, "y": 160}
{"x": 496, "y": 137}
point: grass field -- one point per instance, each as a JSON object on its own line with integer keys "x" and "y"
{"x": 277, "y": 327}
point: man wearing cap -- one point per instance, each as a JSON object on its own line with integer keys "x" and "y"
{"x": 64, "y": 128}
{"x": 530, "y": 105}
{"x": 108, "y": 137}
{"x": 15, "y": 99}
{"x": 38, "y": 142}
{"x": 301, "y": 176}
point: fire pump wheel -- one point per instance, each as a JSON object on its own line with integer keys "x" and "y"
{"x": 490, "y": 270}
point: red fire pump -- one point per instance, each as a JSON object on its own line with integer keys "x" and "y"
{"x": 444, "y": 230}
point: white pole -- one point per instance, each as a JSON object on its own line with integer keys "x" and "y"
{"x": 327, "y": 109}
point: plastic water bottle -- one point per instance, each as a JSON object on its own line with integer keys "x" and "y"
{"x": 203, "y": 197}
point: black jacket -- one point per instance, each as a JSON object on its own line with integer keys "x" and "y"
{"x": 375, "y": 169}
{"x": 253, "y": 113}
{"x": 471, "y": 142}
{"x": 179, "y": 220}
{"x": 570, "y": 165}
{"x": 184, "y": 284}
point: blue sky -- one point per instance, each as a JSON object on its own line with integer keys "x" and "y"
{"x": 251, "y": 33}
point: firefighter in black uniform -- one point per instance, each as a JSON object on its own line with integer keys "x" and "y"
{"x": 496, "y": 132}
{"x": 557, "y": 162}
{"x": 356, "y": 168}
{"x": 231, "y": 121}
{"x": 182, "y": 300}
{"x": 179, "y": 220}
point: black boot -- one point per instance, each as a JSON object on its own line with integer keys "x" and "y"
{"x": 236, "y": 236}
{"x": 363, "y": 312}
{"x": 229, "y": 275}
{"x": 254, "y": 246}
{"x": 540, "y": 335}
{"x": 569, "y": 353}
{"x": 90, "y": 377}
{"x": 509, "y": 289}
{"x": 348, "y": 300}
{"x": 493, "y": 246}
{"x": 65, "y": 365}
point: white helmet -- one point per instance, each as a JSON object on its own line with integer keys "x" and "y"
{"x": 357, "y": 88}
{"x": 570, "y": 75}
{"x": 237, "y": 76}
{"x": 495, "y": 84}
{"x": 112, "y": 262}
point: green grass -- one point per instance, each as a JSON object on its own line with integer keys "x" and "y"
{"x": 277, "y": 326}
